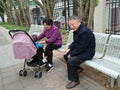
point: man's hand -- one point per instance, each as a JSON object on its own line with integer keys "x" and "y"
{"x": 66, "y": 51}
{"x": 69, "y": 56}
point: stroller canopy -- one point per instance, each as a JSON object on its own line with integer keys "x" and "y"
{"x": 23, "y": 46}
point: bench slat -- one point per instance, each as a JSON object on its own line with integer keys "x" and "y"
{"x": 105, "y": 66}
{"x": 101, "y": 41}
{"x": 36, "y": 29}
{"x": 110, "y": 63}
{"x": 113, "y": 50}
{"x": 69, "y": 41}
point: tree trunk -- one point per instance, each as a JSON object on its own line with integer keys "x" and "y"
{"x": 91, "y": 14}
{"x": 16, "y": 15}
{"x": 2, "y": 17}
{"x": 47, "y": 7}
{"x": 22, "y": 13}
{"x": 80, "y": 9}
{"x": 7, "y": 8}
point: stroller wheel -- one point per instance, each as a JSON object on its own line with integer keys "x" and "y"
{"x": 38, "y": 74}
{"x": 20, "y": 72}
{"x": 25, "y": 73}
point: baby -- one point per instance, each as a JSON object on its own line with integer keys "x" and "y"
{"x": 37, "y": 44}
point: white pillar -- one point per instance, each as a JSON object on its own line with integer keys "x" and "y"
{"x": 100, "y": 17}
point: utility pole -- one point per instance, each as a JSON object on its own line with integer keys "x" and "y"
{"x": 68, "y": 12}
{"x": 65, "y": 14}
{"x": 75, "y": 7}
{"x": 68, "y": 8}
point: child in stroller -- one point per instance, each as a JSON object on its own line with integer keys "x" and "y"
{"x": 37, "y": 59}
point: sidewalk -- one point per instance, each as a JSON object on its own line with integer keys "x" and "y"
{"x": 54, "y": 80}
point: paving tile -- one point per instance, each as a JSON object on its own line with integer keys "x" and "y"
{"x": 10, "y": 79}
{"x": 8, "y": 73}
{"x": 1, "y": 82}
{"x": 7, "y": 56}
{"x": 36, "y": 87}
{"x": 2, "y": 88}
{"x": 29, "y": 81}
{"x": 7, "y": 69}
{"x": 3, "y": 42}
{"x": 16, "y": 85}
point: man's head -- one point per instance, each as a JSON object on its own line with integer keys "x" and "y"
{"x": 74, "y": 22}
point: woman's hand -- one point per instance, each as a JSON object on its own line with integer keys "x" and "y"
{"x": 42, "y": 41}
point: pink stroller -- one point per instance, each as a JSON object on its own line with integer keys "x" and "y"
{"x": 24, "y": 48}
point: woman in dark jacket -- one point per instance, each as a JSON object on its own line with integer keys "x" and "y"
{"x": 81, "y": 49}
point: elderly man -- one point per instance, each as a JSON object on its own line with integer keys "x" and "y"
{"x": 81, "y": 49}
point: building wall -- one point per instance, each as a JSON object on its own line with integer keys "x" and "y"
{"x": 101, "y": 17}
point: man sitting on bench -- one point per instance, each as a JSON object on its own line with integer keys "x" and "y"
{"x": 81, "y": 49}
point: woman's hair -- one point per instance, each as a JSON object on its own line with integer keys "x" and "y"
{"x": 48, "y": 21}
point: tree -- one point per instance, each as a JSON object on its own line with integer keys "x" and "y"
{"x": 86, "y": 11}
{"x": 47, "y": 7}
{"x": 17, "y": 11}
{"x": 2, "y": 12}
{"x": 6, "y": 6}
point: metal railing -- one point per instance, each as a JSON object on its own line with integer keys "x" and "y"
{"x": 114, "y": 17}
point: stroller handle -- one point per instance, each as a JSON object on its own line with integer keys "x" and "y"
{"x": 14, "y": 31}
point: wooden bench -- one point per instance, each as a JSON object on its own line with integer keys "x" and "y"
{"x": 110, "y": 63}
{"x": 36, "y": 29}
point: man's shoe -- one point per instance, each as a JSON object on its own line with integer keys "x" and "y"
{"x": 80, "y": 70}
{"x": 72, "y": 84}
{"x": 49, "y": 68}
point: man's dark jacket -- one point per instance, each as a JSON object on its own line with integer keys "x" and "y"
{"x": 83, "y": 44}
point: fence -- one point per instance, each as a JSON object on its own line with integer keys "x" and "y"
{"x": 64, "y": 9}
{"x": 114, "y": 17}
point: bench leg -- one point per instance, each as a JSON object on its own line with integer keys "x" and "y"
{"x": 118, "y": 81}
{"x": 111, "y": 81}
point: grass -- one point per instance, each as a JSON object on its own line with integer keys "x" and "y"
{"x": 64, "y": 35}
{"x": 13, "y": 27}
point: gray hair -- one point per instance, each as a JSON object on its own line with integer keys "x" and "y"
{"x": 74, "y": 18}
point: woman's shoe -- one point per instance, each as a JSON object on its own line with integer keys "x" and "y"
{"x": 49, "y": 68}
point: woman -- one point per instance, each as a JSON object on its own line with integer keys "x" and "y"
{"x": 53, "y": 41}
